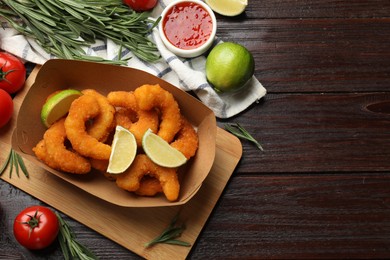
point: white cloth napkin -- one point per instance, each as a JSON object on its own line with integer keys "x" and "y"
{"x": 186, "y": 74}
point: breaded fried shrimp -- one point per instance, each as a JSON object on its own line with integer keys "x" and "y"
{"x": 125, "y": 117}
{"x": 154, "y": 96}
{"x": 41, "y": 153}
{"x": 149, "y": 186}
{"x": 186, "y": 140}
{"x": 124, "y": 99}
{"x": 66, "y": 160}
{"x": 83, "y": 109}
{"x": 104, "y": 123}
{"x": 131, "y": 179}
{"x": 129, "y": 115}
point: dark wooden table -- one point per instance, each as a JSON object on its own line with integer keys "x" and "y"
{"x": 321, "y": 188}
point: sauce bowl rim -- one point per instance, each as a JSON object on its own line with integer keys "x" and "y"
{"x": 188, "y": 53}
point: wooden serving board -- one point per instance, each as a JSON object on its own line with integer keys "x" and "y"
{"x": 129, "y": 227}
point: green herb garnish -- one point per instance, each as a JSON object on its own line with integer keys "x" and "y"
{"x": 240, "y": 132}
{"x": 14, "y": 161}
{"x": 71, "y": 248}
{"x": 169, "y": 235}
{"x": 63, "y": 27}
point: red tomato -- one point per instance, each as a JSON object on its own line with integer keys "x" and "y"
{"x": 6, "y": 108}
{"x": 36, "y": 227}
{"x": 140, "y": 5}
{"x": 12, "y": 73}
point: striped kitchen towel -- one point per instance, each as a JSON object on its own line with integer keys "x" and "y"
{"x": 187, "y": 74}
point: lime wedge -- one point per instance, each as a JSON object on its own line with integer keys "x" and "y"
{"x": 227, "y": 7}
{"x": 58, "y": 105}
{"x": 123, "y": 151}
{"x": 160, "y": 152}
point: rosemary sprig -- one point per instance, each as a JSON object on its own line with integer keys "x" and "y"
{"x": 169, "y": 235}
{"x": 71, "y": 248}
{"x": 14, "y": 161}
{"x": 240, "y": 132}
{"x": 63, "y": 27}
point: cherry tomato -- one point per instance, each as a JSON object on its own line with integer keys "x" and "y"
{"x": 12, "y": 73}
{"x": 140, "y": 5}
{"x": 6, "y": 108}
{"x": 36, "y": 227}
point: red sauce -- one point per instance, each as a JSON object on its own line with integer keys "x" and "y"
{"x": 187, "y": 25}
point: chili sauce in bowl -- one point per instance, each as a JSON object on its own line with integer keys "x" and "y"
{"x": 187, "y": 27}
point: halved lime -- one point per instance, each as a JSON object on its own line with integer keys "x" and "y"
{"x": 123, "y": 151}
{"x": 58, "y": 105}
{"x": 160, "y": 152}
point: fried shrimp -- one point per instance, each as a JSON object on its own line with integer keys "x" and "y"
{"x": 149, "y": 186}
{"x": 83, "y": 109}
{"x": 130, "y": 180}
{"x": 124, "y": 99}
{"x": 154, "y": 96}
{"x": 130, "y": 116}
{"x": 41, "y": 153}
{"x": 186, "y": 140}
{"x": 125, "y": 117}
{"x": 66, "y": 160}
{"x": 103, "y": 123}
{"x": 99, "y": 165}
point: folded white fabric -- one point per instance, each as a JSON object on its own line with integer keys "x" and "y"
{"x": 186, "y": 74}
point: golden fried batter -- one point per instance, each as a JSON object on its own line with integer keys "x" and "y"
{"x": 131, "y": 179}
{"x": 83, "y": 109}
{"x": 66, "y": 160}
{"x": 153, "y": 96}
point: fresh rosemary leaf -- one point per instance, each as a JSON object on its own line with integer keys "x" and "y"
{"x": 73, "y": 13}
{"x": 49, "y": 6}
{"x": 55, "y": 3}
{"x": 71, "y": 248}
{"x": 6, "y": 162}
{"x": 41, "y": 26}
{"x": 67, "y": 52}
{"x": 14, "y": 161}
{"x": 72, "y": 3}
{"x": 11, "y": 164}
{"x": 101, "y": 60}
{"x": 22, "y": 165}
{"x": 177, "y": 242}
{"x": 240, "y": 132}
{"x": 42, "y": 7}
{"x": 38, "y": 16}
{"x": 6, "y": 12}
{"x": 91, "y": 20}
{"x": 169, "y": 235}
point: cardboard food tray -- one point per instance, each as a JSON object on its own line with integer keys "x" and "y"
{"x": 129, "y": 227}
{"x": 60, "y": 74}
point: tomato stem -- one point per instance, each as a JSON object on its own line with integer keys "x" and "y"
{"x": 3, "y": 74}
{"x": 33, "y": 222}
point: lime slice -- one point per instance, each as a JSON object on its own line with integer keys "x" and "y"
{"x": 227, "y": 7}
{"x": 160, "y": 152}
{"x": 123, "y": 151}
{"x": 58, "y": 105}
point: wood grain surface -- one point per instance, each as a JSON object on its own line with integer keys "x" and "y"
{"x": 321, "y": 188}
{"x": 116, "y": 222}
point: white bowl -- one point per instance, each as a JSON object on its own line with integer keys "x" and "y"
{"x": 196, "y": 51}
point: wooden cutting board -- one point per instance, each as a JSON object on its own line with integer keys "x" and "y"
{"x": 129, "y": 227}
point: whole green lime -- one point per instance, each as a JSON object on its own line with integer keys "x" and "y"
{"x": 229, "y": 66}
